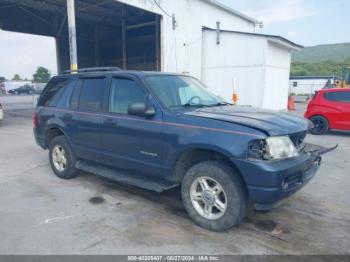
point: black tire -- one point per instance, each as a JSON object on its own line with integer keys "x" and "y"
{"x": 321, "y": 125}
{"x": 69, "y": 171}
{"x": 234, "y": 190}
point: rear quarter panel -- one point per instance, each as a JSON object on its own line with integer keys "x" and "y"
{"x": 49, "y": 118}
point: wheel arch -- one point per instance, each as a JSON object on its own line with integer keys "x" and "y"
{"x": 52, "y": 132}
{"x": 323, "y": 116}
{"x": 318, "y": 114}
{"x": 189, "y": 157}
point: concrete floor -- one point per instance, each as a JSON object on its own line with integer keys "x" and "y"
{"x": 41, "y": 214}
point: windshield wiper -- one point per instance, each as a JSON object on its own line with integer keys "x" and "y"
{"x": 193, "y": 105}
{"x": 221, "y": 104}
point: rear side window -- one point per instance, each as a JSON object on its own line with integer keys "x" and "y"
{"x": 123, "y": 93}
{"x": 64, "y": 100}
{"x": 53, "y": 91}
{"x": 92, "y": 94}
{"x": 338, "y": 96}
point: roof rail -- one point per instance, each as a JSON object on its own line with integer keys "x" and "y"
{"x": 92, "y": 69}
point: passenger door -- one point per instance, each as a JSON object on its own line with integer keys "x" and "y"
{"x": 87, "y": 105}
{"x": 340, "y": 115}
{"x": 131, "y": 142}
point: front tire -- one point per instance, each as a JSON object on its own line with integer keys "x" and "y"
{"x": 213, "y": 195}
{"x": 62, "y": 159}
{"x": 321, "y": 125}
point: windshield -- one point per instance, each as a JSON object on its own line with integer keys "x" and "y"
{"x": 177, "y": 92}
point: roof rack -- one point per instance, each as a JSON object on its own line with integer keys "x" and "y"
{"x": 92, "y": 69}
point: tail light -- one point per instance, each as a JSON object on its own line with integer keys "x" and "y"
{"x": 35, "y": 120}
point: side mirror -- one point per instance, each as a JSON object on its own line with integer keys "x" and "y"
{"x": 141, "y": 109}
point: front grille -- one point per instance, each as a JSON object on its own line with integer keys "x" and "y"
{"x": 298, "y": 139}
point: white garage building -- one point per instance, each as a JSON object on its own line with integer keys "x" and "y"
{"x": 257, "y": 66}
{"x": 202, "y": 38}
{"x": 307, "y": 85}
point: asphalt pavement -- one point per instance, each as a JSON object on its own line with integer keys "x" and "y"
{"x": 41, "y": 214}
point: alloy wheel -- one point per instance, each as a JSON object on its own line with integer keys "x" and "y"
{"x": 59, "y": 158}
{"x": 208, "y": 198}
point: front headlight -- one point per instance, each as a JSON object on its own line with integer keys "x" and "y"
{"x": 272, "y": 148}
{"x": 280, "y": 147}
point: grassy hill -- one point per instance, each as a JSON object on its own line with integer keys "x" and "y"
{"x": 322, "y": 53}
{"x": 321, "y": 60}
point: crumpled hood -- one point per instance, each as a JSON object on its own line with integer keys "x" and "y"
{"x": 274, "y": 123}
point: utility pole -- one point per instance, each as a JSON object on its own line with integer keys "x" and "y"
{"x": 72, "y": 35}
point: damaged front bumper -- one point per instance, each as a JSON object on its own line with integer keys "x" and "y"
{"x": 270, "y": 182}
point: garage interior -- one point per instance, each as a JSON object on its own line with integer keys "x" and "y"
{"x": 109, "y": 33}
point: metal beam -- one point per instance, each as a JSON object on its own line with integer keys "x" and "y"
{"x": 97, "y": 46}
{"x": 94, "y": 6}
{"x": 58, "y": 54}
{"x": 59, "y": 31}
{"x": 157, "y": 43}
{"x": 152, "y": 23}
{"x": 72, "y": 35}
{"x": 124, "y": 39}
{"x": 35, "y": 15}
{"x": 124, "y": 44}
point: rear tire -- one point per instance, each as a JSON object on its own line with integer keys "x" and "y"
{"x": 321, "y": 125}
{"x": 214, "y": 195}
{"x": 62, "y": 159}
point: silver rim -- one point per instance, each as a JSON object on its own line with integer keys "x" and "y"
{"x": 59, "y": 158}
{"x": 208, "y": 198}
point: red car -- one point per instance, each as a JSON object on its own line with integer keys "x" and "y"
{"x": 329, "y": 109}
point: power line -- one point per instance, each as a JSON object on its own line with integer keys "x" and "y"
{"x": 161, "y": 8}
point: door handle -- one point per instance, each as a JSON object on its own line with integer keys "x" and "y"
{"x": 110, "y": 122}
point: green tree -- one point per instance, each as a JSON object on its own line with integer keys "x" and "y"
{"x": 42, "y": 75}
{"x": 16, "y": 77}
{"x": 325, "y": 68}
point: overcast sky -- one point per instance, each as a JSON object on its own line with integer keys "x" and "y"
{"x": 306, "y": 22}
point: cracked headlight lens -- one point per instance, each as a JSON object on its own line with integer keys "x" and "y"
{"x": 280, "y": 147}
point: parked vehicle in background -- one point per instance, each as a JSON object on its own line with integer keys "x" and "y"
{"x": 329, "y": 109}
{"x": 39, "y": 87}
{"x": 26, "y": 89}
{"x": 1, "y": 112}
{"x": 158, "y": 131}
{"x": 2, "y": 86}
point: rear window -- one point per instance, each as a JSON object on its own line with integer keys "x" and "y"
{"x": 92, "y": 94}
{"x": 53, "y": 92}
{"x": 338, "y": 96}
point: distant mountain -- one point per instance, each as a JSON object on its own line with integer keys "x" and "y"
{"x": 322, "y": 53}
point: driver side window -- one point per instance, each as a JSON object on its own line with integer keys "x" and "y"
{"x": 123, "y": 93}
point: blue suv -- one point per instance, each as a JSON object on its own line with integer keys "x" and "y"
{"x": 159, "y": 131}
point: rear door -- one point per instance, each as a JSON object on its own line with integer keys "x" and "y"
{"x": 131, "y": 142}
{"x": 339, "y": 116}
{"x": 87, "y": 106}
